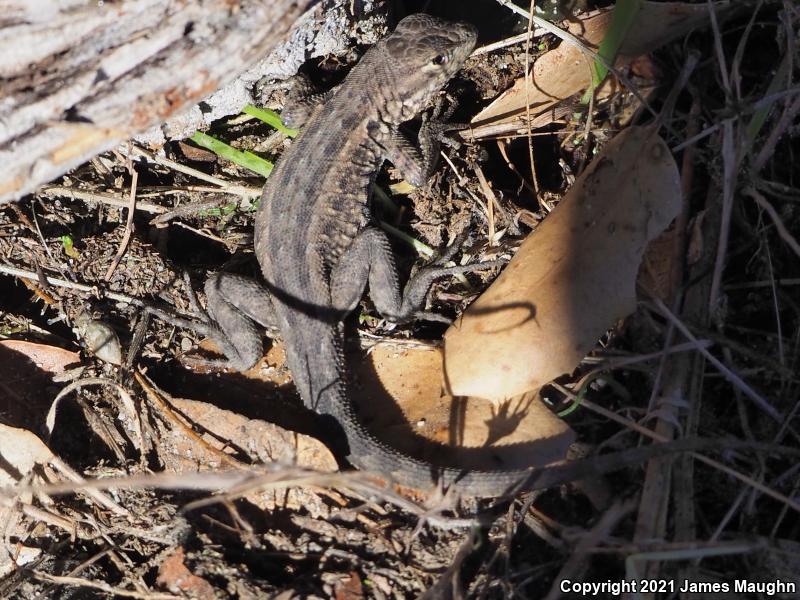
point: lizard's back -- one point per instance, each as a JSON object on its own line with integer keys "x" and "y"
{"x": 315, "y": 204}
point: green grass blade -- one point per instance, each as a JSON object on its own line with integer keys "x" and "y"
{"x": 270, "y": 117}
{"x": 421, "y": 248}
{"x": 624, "y": 15}
{"x": 243, "y": 158}
{"x": 759, "y": 118}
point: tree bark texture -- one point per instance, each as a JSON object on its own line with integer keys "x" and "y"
{"x": 77, "y": 77}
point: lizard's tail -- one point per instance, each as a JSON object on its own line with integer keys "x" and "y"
{"x": 319, "y": 376}
{"x": 370, "y": 454}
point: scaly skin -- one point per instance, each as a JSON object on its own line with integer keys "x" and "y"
{"x": 314, "y": 207}
{"x": 318, "y": 248}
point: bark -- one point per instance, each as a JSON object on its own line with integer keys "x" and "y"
{"x": 77, "y": 77}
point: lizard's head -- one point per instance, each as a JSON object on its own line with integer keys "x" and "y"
{"x": 424, "y": 52}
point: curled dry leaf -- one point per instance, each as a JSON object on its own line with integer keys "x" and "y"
{"x": 565, "y": 71}
{"x": 571, "y": 279}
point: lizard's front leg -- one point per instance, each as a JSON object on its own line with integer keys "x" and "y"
{"x": 416, "y": 162}
{"x": 370, "y": 260}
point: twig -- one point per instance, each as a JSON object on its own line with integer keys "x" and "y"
{"x": 78, "y": 481}
{"x": 99, "y": 198}
{"x": 729, "y": 175}
{"x": 491, "y": 201}
{"x": 528, "y": 78}
{"x": 191, "y": 208}
{"x": 732, "y": 377}
{"x": 783, "y": 124}
{"x": 515, "y": 39}
{"x": 80, "y": 287}
{"x": 126, "y": 237}
{"x": 785, "y": 234}
{"x": 44, "y": 243}
{"x": 239, "y": 190}
{"x": 632, "y": 425}
{"x": 156, "y": 397}
{"x": 81, "y": 567}
{"x": 102, "y": 586}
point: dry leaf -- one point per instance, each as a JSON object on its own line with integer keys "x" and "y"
{"x": 30, "y": 366}
{"x": 658, "y": 23}
{"x": 268, "y": 442}
{"x": 20, "y": 450}
{"x": 349, "y": 588}
{"x": 565, "y": 71}
{"x": 406, "y": 407}
{"x": 658, "y": 265}
{"x": 571, "y": 279}
{"x": 174, "y": 576}
{"x": 46, "y": 357}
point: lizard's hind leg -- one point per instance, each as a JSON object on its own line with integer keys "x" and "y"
{"x": 237, "y": 304}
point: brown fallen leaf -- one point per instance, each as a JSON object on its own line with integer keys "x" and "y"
{"x": 268, "y": 442}
{"x": 407, "y": 409}
{"x": 174, "y": 576}
{"x": 571, "y": 279}
{"x": 20, "y": 451}
{"x": 349, "y": 588}
{"x": 565, "y": 71}
{"x": 658, "y": 264}
{"x": 46, "y": 357}
{"x": 26, "y": 380}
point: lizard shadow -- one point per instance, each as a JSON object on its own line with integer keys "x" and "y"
{"x": 248, "y": 396}
{"x": 278, "y": 403}
{"x": 453, "y": 431}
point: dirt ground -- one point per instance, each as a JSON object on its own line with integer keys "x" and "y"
{"x": 230, "y": 489}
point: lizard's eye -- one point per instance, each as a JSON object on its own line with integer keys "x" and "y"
{"x": 439, "y": 60}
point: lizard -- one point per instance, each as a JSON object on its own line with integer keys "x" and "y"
{"x": 318, "y": 249}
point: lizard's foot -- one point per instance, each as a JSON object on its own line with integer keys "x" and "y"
{"x": 436, "y": 123}
{"x": 207, "y": 328}
{"x": 446, "y": 255}
{"x": 438, "y": 111}
{"x": 235, "y": 305}
{"x": 302, "y": 99}
{"x": 417, "y": 287}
